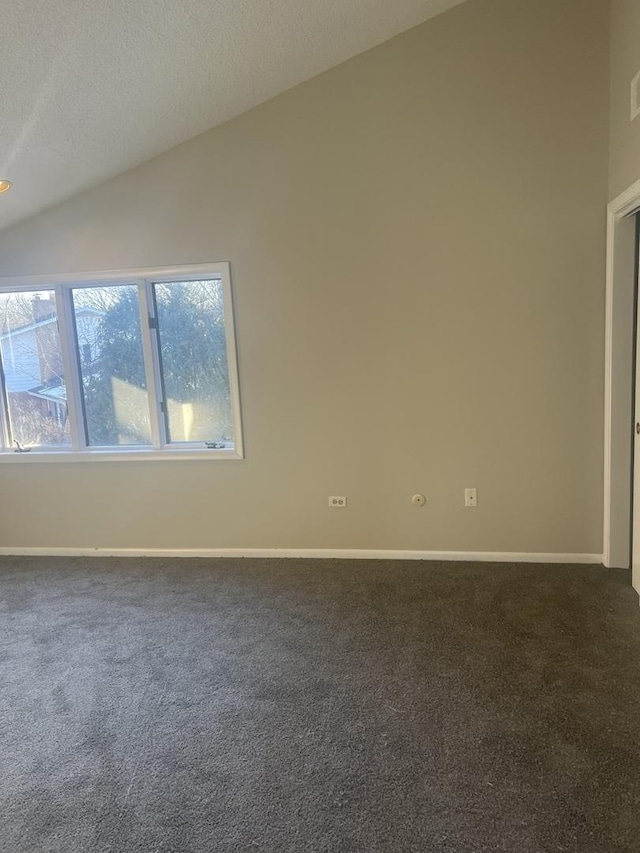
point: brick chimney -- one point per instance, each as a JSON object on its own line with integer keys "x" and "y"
{"x": 43, "y": 309}
{"x": 46, "y": 338}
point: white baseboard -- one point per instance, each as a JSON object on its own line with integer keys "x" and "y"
{"x": 308, "y": 553}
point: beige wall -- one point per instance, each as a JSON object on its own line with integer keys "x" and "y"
{"x": 624, "y": 167}
{"x": 417, "y": 250}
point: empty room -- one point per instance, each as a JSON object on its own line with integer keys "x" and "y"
{"x": 319, "y": 491}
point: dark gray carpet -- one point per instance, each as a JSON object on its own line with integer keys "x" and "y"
{"x": 172, "y": 706}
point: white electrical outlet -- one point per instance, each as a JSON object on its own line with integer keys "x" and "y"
{"x": 339, "y": 501}
{"x": 471, "y": 497}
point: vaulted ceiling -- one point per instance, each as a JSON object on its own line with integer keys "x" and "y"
{"x": 91, "y": 89}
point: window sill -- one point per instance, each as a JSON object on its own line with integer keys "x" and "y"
{"x": 137, "y": 455}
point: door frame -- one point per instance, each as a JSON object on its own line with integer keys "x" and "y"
{"x": 619, "y": 371}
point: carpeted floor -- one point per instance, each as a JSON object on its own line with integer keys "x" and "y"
{"x": 211, "y": 706}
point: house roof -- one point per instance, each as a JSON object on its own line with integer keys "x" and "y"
{"x": 12, "y": 333}
{"x": 55, "y": 392}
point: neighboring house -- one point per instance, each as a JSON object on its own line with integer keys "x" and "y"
{"x": 32, "y": 361}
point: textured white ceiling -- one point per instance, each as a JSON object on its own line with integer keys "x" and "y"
{"x": 89, "y": 89}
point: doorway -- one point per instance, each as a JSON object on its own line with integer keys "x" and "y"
{"x": 635, "y": 435}
{"x": 620, "y": 437}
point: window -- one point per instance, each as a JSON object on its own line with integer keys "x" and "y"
{"x": 129, "y": 365}
{"x": 34, "y": 375}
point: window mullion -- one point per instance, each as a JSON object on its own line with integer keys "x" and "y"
{"x": 5, "y": 430}
{"x": 149, "y": 326}
{"x": 68, "y": 345}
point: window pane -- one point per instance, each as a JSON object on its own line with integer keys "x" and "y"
{"x": 33, "y": 372}
{"x": 112, "y": 365}
{"x": 193, "y": 352}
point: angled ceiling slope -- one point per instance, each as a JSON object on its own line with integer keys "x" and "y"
{"x": 92, "y": 89}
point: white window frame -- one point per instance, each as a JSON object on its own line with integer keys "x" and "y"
{"x": 145, "y": 279}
